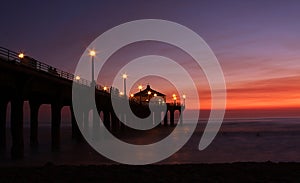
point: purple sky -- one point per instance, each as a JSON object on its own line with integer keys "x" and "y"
{"x": 253, "y": 40}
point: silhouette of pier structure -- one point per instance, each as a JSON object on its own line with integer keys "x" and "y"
{"x": 26, "y": 79}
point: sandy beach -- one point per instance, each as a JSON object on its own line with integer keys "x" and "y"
{"x": 236, "y": 172}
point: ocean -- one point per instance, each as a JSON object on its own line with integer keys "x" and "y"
{"x": 239, "y": 140}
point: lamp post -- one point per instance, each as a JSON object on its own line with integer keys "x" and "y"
{"x": 92, "y": 53}
{"x": 140, "y": 88}
{"x": 149, "y": 93}
{"x": 174, "y": 98}
{"x": 124, "y": 76}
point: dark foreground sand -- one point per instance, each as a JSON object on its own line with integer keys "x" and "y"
{"x": 235, "y": 172}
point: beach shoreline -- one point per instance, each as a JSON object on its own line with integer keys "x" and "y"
{"x": 255, "y": 141}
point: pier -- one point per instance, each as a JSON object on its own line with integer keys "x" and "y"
{"x": 25, "y": 79}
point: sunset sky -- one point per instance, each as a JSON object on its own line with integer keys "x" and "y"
{"x": 256, "y": 42}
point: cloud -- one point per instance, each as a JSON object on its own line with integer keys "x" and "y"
{"x": 275, "y": 92}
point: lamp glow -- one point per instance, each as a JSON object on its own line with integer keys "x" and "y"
{"x": 92, "y": 53}
{"x": 21, "y": 55}
{"x": 140, "y": 87}
{"x": 124, "y": 76}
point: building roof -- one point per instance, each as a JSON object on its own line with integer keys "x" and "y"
{"x": 145, "y": 92}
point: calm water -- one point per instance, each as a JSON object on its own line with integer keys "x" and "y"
{"x": 258, "y": 140}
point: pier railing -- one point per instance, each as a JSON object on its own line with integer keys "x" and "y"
{"x": 27, "y": 61}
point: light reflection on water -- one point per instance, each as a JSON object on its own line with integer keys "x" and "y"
{"x": 261, "y": 139}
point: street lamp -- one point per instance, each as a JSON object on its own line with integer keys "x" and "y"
{"x": 124, "y": 76}
{"x": 159, "y": 101}
{"x": 175, "y": 98}
{"x": 140, "y": 88}
{"x": 184, "y": 97}
{"x": 21, "y": 55}
{"x": 92, "y": 53}
{"x": 77, "y": 78}
{"x": 149, "y": 93}
{"x": 105, "y": 88}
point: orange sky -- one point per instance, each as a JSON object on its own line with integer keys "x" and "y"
{"x": 269, "y": 93}
{"x": 259, "y": 94}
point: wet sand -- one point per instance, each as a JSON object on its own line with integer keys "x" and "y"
{"x": 236, "y": 172}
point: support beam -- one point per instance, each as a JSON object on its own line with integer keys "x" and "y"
{"x": 76, "y": 134}
{"x": 55, "y": 126}
{"x": 106, "y": 120}
{"x": 181, "y": 117}
{"x": 96, "y": 125}
{"x": 157, "y": 118}
{"x": 17, "y": 149}
{"x": 34, "y": 111}
{"x": 122, "y": 121}
{"x": 3, "y": 106}
{"x": 114, "y": 122}
{"x": 166, "y": 119}
{"x": 86, "y": 121}
{"x": 172, "y": 118}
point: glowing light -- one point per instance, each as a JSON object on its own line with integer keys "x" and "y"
{"x": 149, "y": 92}
{"x": 77, "y": 78}
{"x": 92, "y": 53}
{"x": 124, "y": 76}
{"x": 174, "y": 95}
{"x": 140, "y": 87}
{"x": 21, "y": 55}
{"x": 184, "y": 96}
{"x": 121, "y": 93}
{"x": 105, "y": 88}
{"x": 131, "y": 95}
{"x": 155, "y": 95}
